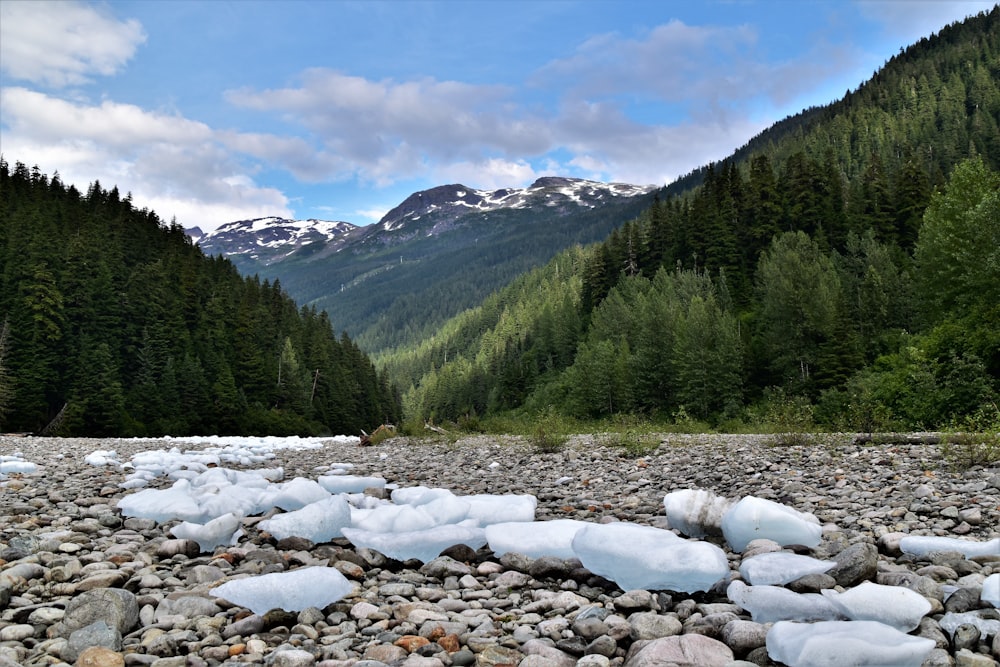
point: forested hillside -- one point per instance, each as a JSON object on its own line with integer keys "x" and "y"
{"x": 112, "y": 323}
{"x": 843, "y": 266}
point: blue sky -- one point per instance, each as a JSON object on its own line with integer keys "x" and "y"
{"x": 231, "y": 109}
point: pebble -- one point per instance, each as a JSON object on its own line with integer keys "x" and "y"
{"x": 79, "y": 582}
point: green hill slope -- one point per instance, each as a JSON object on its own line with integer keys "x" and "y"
{"x": 795, "y": 275}
{"x": 112, "y": 324}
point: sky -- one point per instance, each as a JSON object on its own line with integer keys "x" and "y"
{"x": 215, "y": 111}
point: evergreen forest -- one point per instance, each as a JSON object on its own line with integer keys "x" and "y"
{"x": 842, "y": 269}
{"x": 113, "y": 324}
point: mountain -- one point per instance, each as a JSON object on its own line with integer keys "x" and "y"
{"x": 438, "y": 252}
{"x": 268, "y": 240}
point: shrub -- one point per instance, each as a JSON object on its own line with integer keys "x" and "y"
{"x": 978, "y": 441}
{"x": 549, "y": 432}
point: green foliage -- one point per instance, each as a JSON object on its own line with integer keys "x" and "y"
{"x": 958, "y": 250}
{"x": 115, "y": 324}
{"x": 786, "y": 413}
{"x": 6, "y": 383}
{"x": 976, "y": 442}
{"x": 800, "y": 294}
{"x": 632, "y": 436}
{"x": 549, "y": 432}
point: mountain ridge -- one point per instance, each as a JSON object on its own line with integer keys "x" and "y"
{"x": 368, "y": 278}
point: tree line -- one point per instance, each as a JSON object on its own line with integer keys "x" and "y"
{"x": 113, "y": 323}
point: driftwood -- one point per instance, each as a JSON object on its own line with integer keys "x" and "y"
{"x": 379, "y": 434}
{"x": 898, "y": 439}
{"x": 436, "y": 429}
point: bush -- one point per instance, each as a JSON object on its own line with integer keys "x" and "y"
{"x": 978, "y": 441}
{"x": 549, "y": 432}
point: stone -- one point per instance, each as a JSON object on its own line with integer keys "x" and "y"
{"x": 637, "y": 600}
{"x": 118, "y": 608}
{"x": 650, "y": 625}
{"x": 16, "y": 633}
{"x": 966, "y": 658}
{"x": 744, "y": 636}
{"x": 412, "y": 642}
{"x": 244, "y": 627}
{"x": 292, "y": 658}
{"x": 593, "y": 660}
{"x": 855, "y": 564}
{"x": 557, "y": 658}
{"x": 966, "y": 636}
{"x": 97, "y": 633}
{"x": 682, "y": 650}
{"x": 603, "y": 645}
{"x": 386, "y": 653}
{"x": 99, "y": 656}
{"x": 494, "y": 655}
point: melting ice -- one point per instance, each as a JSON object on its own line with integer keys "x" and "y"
{"x": 292, "y": 591}
{"x": 858, "y": 643}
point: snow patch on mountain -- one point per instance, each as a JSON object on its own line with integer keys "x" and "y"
{"x": 271, "y": 237}
{"x": 550, "y": 191}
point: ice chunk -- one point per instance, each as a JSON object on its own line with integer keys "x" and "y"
{"x": 102, "y": 457}
{"x": 232, "y": 498}
{"x": 833, "y": 643}
{"x": 424, "y": 545}
{"x": 920, "y": 545}
{"x": 534, "y": 538}
{"x": 780, "y": 567}
{"x": 163, "y": 504}
{"x": 643, "y": 557}
{"x": 991, "y": 590}
{"x": 951, "y": 621}
{"x": 349, "y": 483}
{"x": 295, "y": 494}
{"x": 768, "y": 604}
{"x": 488, "y": 508}
{"x": 17, "y": 466}
{"x": 419, "y": 495}
{"x": 317, "y": 522}
{"x": 221, "y": 531}
{"x": 291, "y": 591}
{"x": 390, "y": 518}
{"x": 696, "y": 512}
{"x": 893, "y": 605}
{"x": 447, "y": 509}
{"x": 752, "y": 518}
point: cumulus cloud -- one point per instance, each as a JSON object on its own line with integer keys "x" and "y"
{"x": 708, "y": 68}
{"x": 388, "y": 130}
{"x": 63, "y": 43}
{"x": 173, "y": 165}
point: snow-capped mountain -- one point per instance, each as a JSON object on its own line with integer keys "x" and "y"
{"x": 438, "y": 252}
{"x": 269, "y": 240}
{"x": 448, "y": 202}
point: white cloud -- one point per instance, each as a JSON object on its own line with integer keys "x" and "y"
{"x": 489, "y": 174}
{"x": 172, "y": 165}
{"x": 384, "y": 131}
{"x": 373, "y": 214}
{"x": 63, "y": 43}
{"x": 706, "y": 69}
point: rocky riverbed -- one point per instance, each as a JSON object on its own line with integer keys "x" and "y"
{"x": 81, "y": 584}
